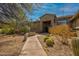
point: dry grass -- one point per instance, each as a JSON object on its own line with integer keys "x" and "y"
{"x": 62, "y": 30}
{"x": 58, "y": 49}
{"x": 10, "y": 45}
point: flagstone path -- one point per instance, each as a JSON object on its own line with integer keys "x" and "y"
{"x": 32, "y": 47}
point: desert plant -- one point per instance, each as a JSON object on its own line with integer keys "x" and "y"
{"x": 62, "y": 30}
{"x": 23, "y": 30}
{"x": 49, "y": 42}
{"x": 75, "y": 46}
{"x": 7, "y": 31}
{"x": 0, "y": 30}
{"x": 45, "y": 38}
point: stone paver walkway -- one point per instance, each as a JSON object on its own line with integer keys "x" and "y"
{"x": 32, "y": 47}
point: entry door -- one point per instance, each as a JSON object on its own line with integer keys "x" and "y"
{"x": 46, "y": 25}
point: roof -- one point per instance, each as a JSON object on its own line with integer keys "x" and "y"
{"x": 48, "y": 15}
{"x": 75, "y": 16}
{"x": 36, "y": 21}
{"x": 68, "y": 17}
{"x": 65, "y": 17}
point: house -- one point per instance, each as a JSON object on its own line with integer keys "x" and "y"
{"x": 49, "y": 20}
{"x": 35, "y": 26}
{"x": 74, "y": 21}
{"x": 63, "y": 19}
{"x": 44, "y": 23}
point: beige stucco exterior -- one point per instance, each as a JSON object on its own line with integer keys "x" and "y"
{"x": 38, "y": 25}
{"x": 74, "y": 23}
{"x": 35, "y": 27}
{"x": 46, "y": 18}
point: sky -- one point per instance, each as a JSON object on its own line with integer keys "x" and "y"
{"x": 60, "y": 9}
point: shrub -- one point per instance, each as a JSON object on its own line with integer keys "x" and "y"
{"x": 23, "y": 30}
{"x": 48, "y": 36}
{"x": 49, "y": 42}
{"x": 45, "y": 38}
{"x": 11, "y": 31}
{"x": 62, "y": 30}
{"x": 0, "y": 30}
{"x": 5, "y": 30}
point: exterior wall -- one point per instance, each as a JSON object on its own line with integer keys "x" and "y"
{"x": 75, "y": 23}
{"x": 38, "y": 26}
{"x": 35, "y": 27}
{"x": 62, "y": 21}
{"x": 46, "y": 18}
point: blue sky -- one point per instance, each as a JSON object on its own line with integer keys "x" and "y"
{"x": 60, "y": 9}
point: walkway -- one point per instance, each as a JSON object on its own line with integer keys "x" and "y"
{"x": 32, "y": 47}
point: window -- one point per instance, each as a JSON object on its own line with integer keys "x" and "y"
{"x": 63, "y": 21}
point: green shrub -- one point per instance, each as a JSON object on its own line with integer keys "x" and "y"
{"x": 11, "y": 31}
{"x": 7, "y": 31}
{"x": 45, "y": 38}
{"x": 23, "y": 30}
{"x": 49, "y": 42}
{"x": 0, "y": 30}
{"x": 48, "y": 36}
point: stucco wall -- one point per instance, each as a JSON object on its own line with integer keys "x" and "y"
{"x": 38, "y": 26}
{"x": 35, "y": 27}
{"x": 46, "y": 18}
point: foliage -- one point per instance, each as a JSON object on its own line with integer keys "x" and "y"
{"x": 45, "y": 38}
{"x": 15, "y": 16}
{"x": 49, "y": 42}
{"x": 62, "y": 30}
{"x": 23, "y": 30}
{"x": 7, "y": 30}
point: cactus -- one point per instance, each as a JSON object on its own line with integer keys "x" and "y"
{"x": 75, "y": 46}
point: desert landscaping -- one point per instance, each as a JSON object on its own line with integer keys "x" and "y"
{"x": 11, "y": 45}
{"x": 47, "y": 35}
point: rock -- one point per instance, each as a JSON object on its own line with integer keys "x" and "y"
{"x": 25, "y": 37}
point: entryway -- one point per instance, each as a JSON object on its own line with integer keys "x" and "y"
{"x": 46, "y": 25}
